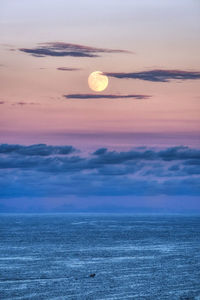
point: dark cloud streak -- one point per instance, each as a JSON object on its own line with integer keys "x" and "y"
{"x": 157, "y": 75}
{"x": 67, "y": 69}
{"x": 104, "y": 96}
{"x": 67, "y": 49}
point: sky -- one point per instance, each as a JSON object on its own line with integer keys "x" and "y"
{"x": 149, "y": 50}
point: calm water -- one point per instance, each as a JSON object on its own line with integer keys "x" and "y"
{"x": 133, "y": 257}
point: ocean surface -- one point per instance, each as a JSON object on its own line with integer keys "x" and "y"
{"x": 132, "y": 256}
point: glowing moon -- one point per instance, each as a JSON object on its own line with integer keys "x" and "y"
{"x": 97, "y": 81}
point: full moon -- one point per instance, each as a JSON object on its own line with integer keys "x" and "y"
{"x": 97, "y": 81}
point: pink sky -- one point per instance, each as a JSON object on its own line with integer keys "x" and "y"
{"x": 161, "y": 36}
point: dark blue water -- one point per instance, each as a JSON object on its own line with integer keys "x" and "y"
{"x": 133, "y": 257}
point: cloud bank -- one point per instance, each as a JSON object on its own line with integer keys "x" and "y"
{"x": 55, "y": 171}
{"x": 157, "y": 75}
{"x": 67, "y": 49}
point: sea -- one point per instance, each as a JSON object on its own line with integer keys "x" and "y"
{"x": 99, "y": 257}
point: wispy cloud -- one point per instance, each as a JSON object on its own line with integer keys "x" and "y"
{"x": 67, "y": 69}
{"x": 67, "y": 49}
{"x": 104, "y": 96}
{"x": 157, "y": 75}
{"x": 21, "y": 103}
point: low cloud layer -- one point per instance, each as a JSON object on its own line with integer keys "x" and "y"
{"x": 67, "y": 49}
{"x": 157, "y": 75}
{"x": 56, "y": 171}
{"x": 104, "y": 96}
